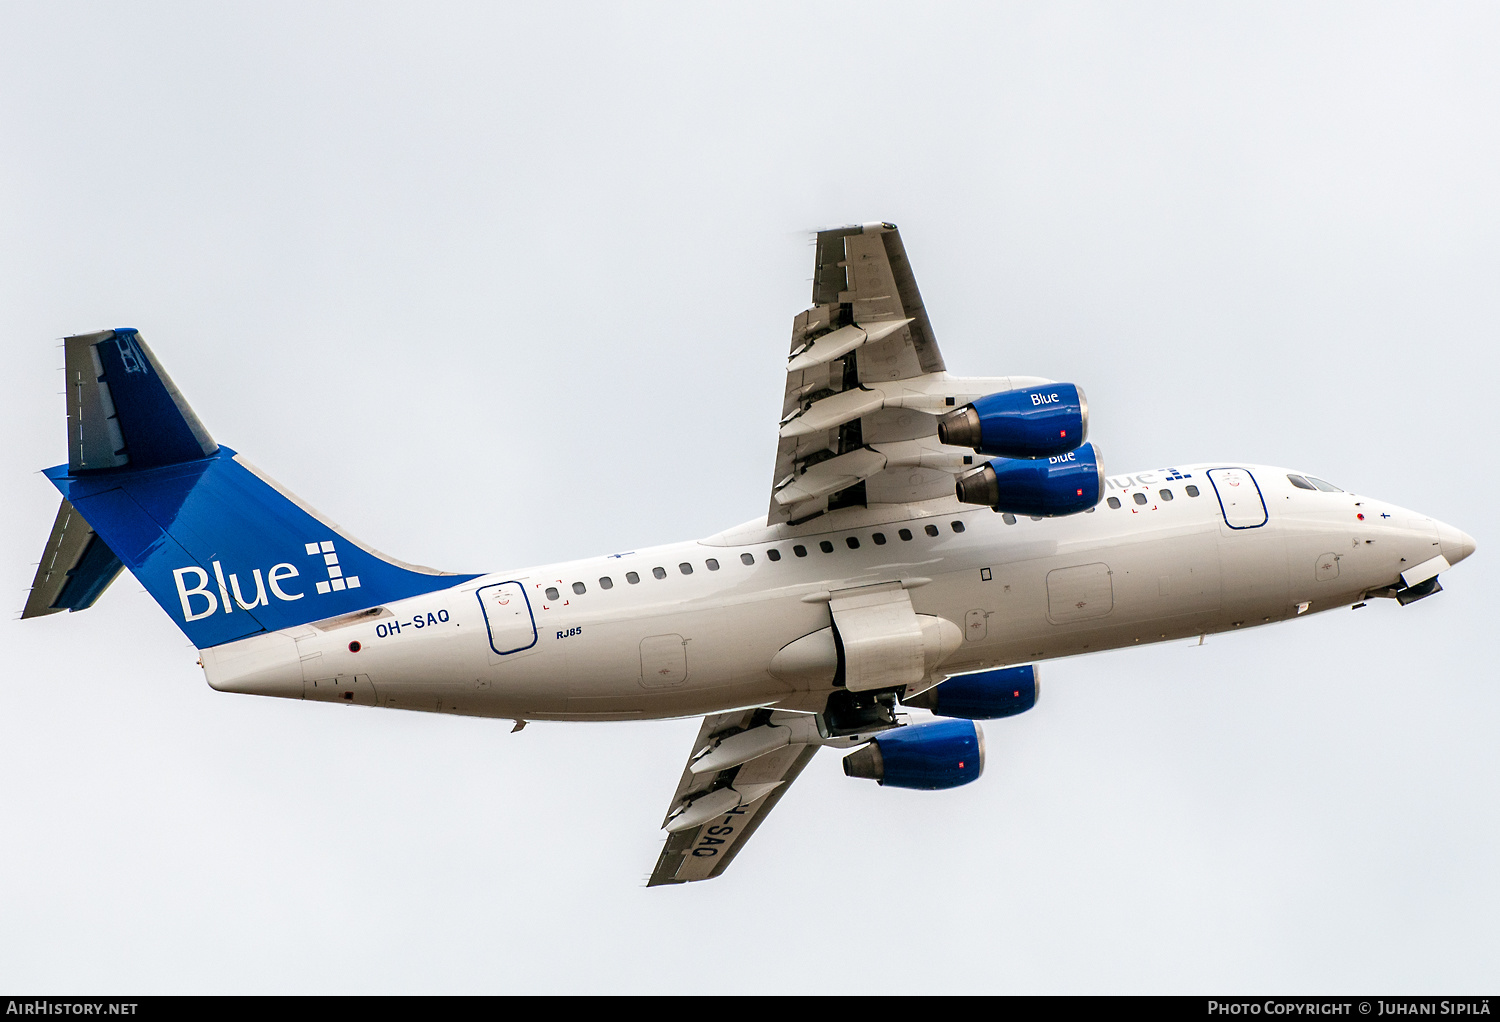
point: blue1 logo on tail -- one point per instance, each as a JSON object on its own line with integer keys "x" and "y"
{"x": 275, "y": 580}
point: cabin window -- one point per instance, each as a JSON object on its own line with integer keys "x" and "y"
{"x": 958, "y": 526}
{"x": 905, "y": 534}
{"x": 632, "y": 577}
{"x": 773, "y": 554}
{"x": 1008, "y": 518}
{"x": 685, "y": 568}
{"x": 931, "y": 530}
{"x": 852, "y": 542}
{"x": 1192, "y": 491}
{"x": 1139, "y": 498}
{"x": 825, "y": 546}
{"x": 1035, "y": 518}
{"x": 659, "y": 572}
{"x": 1113, "y": 502}
{"x": 711, "y": 564}
{"x": 579, "y": 588}
{"x": 606, "y": 582}
{"x": 747, "y": 558}
{"x": 553, "y": 594}
{"x": 878, "y": 537}
{"x": 1299, "y": 482}
{"x": 1164, "y": 494}
{"x": 800, "y": 550}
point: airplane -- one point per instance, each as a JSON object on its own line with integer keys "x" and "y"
{"x": 929, "y": 540}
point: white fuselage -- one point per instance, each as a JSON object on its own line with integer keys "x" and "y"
{"x": 682, "y": 642}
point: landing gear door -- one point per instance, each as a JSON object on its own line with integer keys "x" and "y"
{"x": 507, "y": 615}
{"x": 1239, "y": 497}
{"x": 881, "y": 638}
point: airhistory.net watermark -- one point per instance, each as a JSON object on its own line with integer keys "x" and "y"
{"x": 70, "y": 1007}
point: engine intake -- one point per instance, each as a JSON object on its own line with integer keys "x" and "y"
{"x": 984, "y": 695}
{"x": 1032, "y": 422}
{"x": 928, "y": 757}
{"x": 1061, "y": 485}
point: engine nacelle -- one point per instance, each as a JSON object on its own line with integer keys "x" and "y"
{"x": 1061, "y": 485}
{"x": 1032, "y": 422}
{"x": 942, "y": 754}
{"x": 984, "y": 695}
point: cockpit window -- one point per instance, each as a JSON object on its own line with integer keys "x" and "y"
{"x": 1312, "y": 483}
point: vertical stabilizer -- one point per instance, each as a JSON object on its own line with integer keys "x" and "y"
{"x": 225, "y": 551}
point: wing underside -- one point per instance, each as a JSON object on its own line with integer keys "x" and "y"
{"x": 740, "y": 796}
{"x": 865, "y": 385}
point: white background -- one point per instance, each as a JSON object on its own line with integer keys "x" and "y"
{"x": 495, "y": 285}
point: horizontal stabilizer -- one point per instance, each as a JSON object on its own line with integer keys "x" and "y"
{"x": 77, "y": 566}
{"x": 123, "y": 409}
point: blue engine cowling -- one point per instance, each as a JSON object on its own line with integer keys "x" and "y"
{"x": 1033, "y": 422}
{"x": 942, "y": 754}
{"x": 1061, "y": 485}
{"x": 984, "y": 695}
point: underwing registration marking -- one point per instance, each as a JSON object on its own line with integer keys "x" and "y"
{"x": 717, "y": 834}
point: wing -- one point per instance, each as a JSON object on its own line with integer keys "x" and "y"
{"x": 865, "y": 384}
{"x": 742, "y": 763}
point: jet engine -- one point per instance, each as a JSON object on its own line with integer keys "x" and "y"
{"x": 985, "y": 695}
{"x": 1061, "y": 485}
{"x": 942, "y": 754}
{"x": 1032, "y": 422}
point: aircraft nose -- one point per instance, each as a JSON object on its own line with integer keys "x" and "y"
{"x": 1456, "y": 545}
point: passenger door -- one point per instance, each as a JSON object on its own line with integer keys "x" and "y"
{"x": 1239, "y": 497}
{"x": 507, "y": 615}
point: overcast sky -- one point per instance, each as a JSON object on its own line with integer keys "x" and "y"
{"x": 493, "y": 285}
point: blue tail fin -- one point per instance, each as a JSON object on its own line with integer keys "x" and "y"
{"x": 225, "y": 551}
